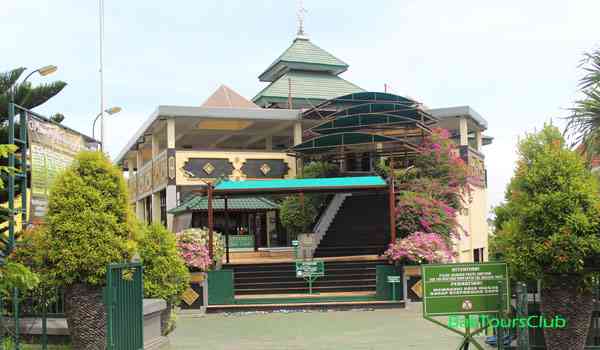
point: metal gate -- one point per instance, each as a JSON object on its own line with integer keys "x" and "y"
{"x": 124, "y": 295}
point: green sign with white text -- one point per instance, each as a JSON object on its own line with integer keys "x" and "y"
{"x": 464, "y": 288}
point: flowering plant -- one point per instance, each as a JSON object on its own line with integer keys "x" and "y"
{"x": 193, "y": 248}
{"x": 420, "y": 247}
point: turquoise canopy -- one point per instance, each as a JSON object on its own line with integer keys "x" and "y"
{"x": 332, "y": 184}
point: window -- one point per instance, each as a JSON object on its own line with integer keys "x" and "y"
{"x": 478, "y": 255}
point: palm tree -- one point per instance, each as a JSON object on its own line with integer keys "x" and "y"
{"x": 26, "y": 95}
{"x": 584, "y": 120}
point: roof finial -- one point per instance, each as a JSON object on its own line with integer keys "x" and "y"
{"x": 300, "y": 15}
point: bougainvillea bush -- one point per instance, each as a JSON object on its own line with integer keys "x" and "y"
{"x": 420, "y": 247}
{"x": 421, "y": 213}
{"x": 193, "y": 248}
{"x": 432, "y": 191}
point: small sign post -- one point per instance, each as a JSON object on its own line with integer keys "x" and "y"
{"x": 393, "y": 280}
{"x": 310, "y": 270}
{"x": 463, "y": 290}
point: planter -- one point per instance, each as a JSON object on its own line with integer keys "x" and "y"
{"x": 194, "y": 297}
{"x": 86, "y": 316}
{"x": 220, "y": 287}
{"x": 383, "y": 287}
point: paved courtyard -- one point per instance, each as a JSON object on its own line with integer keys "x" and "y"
{"x": 362, "y": 329}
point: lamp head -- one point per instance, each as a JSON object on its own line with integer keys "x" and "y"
{"x": 113, "y": 110}
{"x": 47, "y": 70}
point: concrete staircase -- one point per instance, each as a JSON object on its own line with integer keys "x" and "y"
{"x": 280, "y": 278}
{"x": 326, "y": 219}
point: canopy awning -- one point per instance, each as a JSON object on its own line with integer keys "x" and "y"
{"x": 279, "y": 186}
{"x": 198, "y": 202}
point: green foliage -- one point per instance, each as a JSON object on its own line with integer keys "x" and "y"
{"x": 315, "y": 170}
{"x": 26, "y": 95}
{"x": 165, "y": 274}
{"x": 550, "y": 221}
{"x": 89, "y": 221}
{"x": 16, "y": 275}
{"x": 584, "y": 119}
{"x": 295, "y": 216}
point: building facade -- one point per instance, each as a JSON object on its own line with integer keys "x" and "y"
{"x": 306, "y": 111}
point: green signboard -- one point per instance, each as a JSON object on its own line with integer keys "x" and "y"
{"x": 52, "y": 147}
{"x": 241, "y": 241}
{"x": 464, "y": 289}
{"x": 310, "y": 268}
{"x": 393, "y": 279}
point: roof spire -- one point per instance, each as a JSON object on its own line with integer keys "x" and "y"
{"x": 300, "y": 16}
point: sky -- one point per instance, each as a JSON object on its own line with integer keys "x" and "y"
{"x": 514, "y": 62}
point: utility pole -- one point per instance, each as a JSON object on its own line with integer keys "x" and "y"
{"x": 101, "y": 38}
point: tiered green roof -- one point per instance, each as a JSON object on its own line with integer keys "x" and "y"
{"x": 313, "y": 86}
{"x": 312, "y": 72}
{"x": 200, "y": 203}
{"x": 303, "y": 55}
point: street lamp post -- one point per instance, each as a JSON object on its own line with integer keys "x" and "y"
{"x": 109, "y": 111}
{"x": 43, "y": 71}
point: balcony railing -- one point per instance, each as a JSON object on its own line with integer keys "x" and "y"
{"x": 475, "y": 162}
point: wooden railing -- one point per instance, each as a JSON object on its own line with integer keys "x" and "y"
{"x": 476, "y": 163}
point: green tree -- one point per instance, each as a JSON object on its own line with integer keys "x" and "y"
{"x": 584, "y": 120}
{"x": 548, "y": 229}
{"x": 296, "y": 216}
{"x": 165, "y": 274}
{"x": 89, "y": 225}
{"x": 26, "y": 95}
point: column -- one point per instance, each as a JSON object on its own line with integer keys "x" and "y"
{"x": 171, "y": 203}
{"x": 478, "y": 140}
{"x": 464, "y": 131}
{"x": 171, "y": 191}
{"x": 297, "y": 133}
{"x": 170, "y": 133}
{"x": 139, "y": 204}
{"x": 155, "y": 195}
{"x": 297, "y": 141}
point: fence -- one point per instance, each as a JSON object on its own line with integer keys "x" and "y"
{"x": 534, "y": 338}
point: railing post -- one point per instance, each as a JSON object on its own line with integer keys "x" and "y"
{"x": 44, "y": 321}
{"x": 522, "y": 312}
{"x": 16, "y": 316}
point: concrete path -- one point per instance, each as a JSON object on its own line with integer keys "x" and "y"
{"x": 362, "y": 329}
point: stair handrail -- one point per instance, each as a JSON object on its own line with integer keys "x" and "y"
{"x": 320, "y": 229}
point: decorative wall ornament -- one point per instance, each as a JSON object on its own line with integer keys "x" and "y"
{"x": 265, "y": 169}
{"x": 172, "y": 168}
{"x": 208, "y": 168}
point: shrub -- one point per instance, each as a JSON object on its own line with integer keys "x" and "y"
{"x": 297, "y": 217}
{"x": 193, "y": 248}
{"x": 165, "y": 273}
{"x": 548, "y": 229}
{"x": 90, "y": 223}
{"x": 420, "y": 247}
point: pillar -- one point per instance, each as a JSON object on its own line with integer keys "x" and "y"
{"x": 170, "y": 133}
{"x": 464, "y": 131}
{"x": 155, "y": 195}
{"x": 269, "y": 143}
{"x": 139, "y": 204}
{"x": 171, "y": 203}
{"x": 297, "y": 133}
{"x": 478, "y": 140}
{"x": 297, "y": 141}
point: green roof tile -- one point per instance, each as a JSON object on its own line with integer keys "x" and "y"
{"x": 307, "y": 85}
{"x": 199, "y": 202}
{"x": 303, "y": 54}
